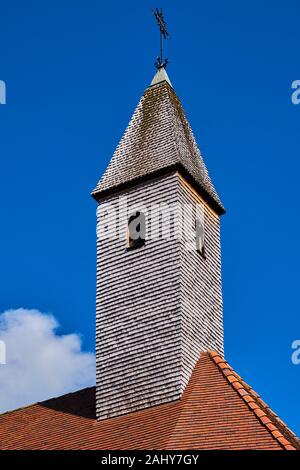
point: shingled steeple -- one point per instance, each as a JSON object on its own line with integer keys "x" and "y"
{"x": 157, "y": 140}
{"x": 159, "y": 299}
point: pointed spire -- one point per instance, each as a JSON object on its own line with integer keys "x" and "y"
{"x": 161, "y": 76}
{"x": 158, "y": 139}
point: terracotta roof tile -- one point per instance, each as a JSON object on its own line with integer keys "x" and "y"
{"x": 212, "y": 414}
{"x": 268, "y": 418}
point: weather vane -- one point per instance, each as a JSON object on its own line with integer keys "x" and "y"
{"x": 160, "y": 62}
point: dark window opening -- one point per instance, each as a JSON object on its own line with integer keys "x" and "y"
{"x": 200, "y": 245}
{"x": 136, "y": 230}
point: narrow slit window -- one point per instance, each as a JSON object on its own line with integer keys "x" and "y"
{"x": 136, "y": 230}
{"x": 200, "y": 242}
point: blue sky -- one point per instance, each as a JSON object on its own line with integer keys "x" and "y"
{"x": 75, "y": 71}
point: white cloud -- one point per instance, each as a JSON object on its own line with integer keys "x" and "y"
{"x": 40, "y": 364}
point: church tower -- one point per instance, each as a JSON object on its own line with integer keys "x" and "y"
{"x": 161, "y": 379}
{"x": 159, "y": 296}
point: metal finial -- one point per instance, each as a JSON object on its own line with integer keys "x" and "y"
{"x": 160, "y": 62}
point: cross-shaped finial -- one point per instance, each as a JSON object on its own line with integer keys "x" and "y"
{"x": 160, "y": 62}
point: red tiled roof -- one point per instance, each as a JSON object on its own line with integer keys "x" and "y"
{"x": 217, "y": 411}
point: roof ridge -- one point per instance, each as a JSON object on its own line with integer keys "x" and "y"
{"x": 45, "y": 401}
{"x": 274, "y": 425}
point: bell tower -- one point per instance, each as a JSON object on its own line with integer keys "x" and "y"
{"x": 159, "y": 297}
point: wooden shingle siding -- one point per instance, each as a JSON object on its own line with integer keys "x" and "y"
{"x": 138, "y": 315}
{"x": 201, "y": 288}
{"x": 152, "y": 321}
